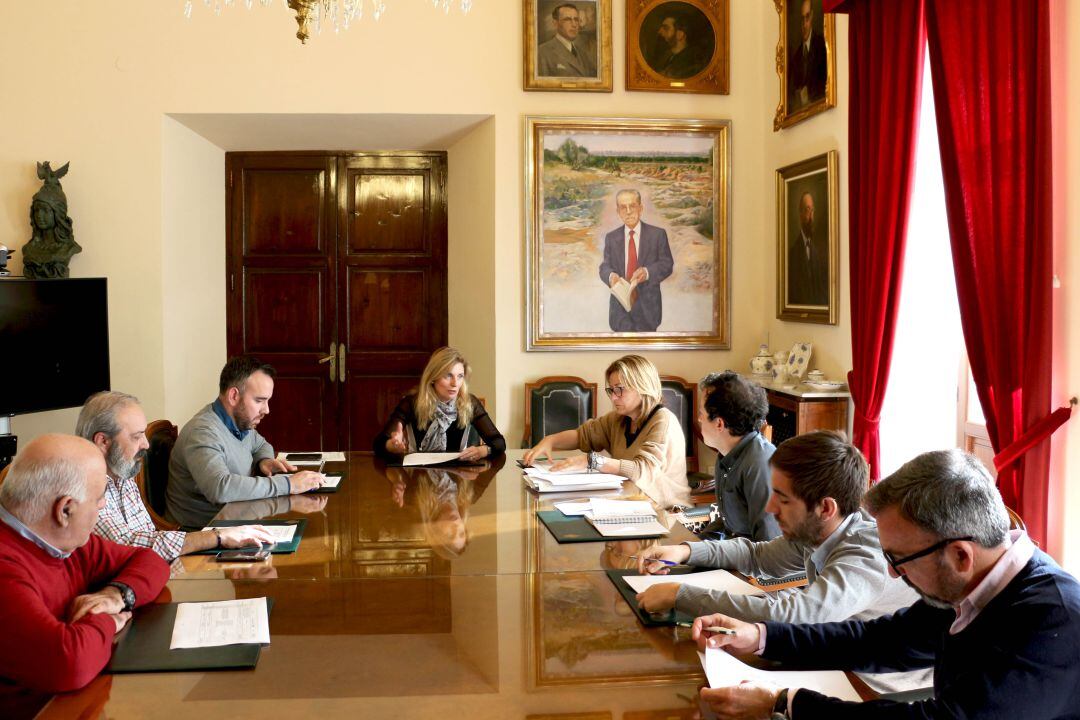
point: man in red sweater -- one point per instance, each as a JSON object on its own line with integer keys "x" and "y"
{"x": 64, "y": 593}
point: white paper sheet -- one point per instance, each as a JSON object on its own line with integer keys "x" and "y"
{"x": 416, "y": 459}
{"x": 331, "y": 480}
{"x": 709, "y": 580}
{"x": 212, "y": 624}
{"x": 573, "y": 507}
{"x": 281, "y": 533}
{"x": 724, "y": 670}
{"x": 543, "y": 486}
{"x": 572, "y": 479}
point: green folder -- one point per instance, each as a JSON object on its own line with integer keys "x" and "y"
{"x": 144, "y": 647}
{"x": 576, "y": 529}
{"x": 286, "y": 547}
{"x": 671, "y": 617}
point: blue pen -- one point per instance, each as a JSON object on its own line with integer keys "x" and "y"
{"x": 662, "y": 562}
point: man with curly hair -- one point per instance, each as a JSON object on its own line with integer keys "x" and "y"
{"x": 731, "y": 411}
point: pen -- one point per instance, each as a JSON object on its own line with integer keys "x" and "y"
{"x": 714, "y": 630}
{"x": 322, "y": 464}
{"x": 659, "y": 560}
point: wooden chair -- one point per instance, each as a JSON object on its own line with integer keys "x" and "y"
{"x": 681, "y": 398}
{"x": 556, "y": 403}
{"x": 3, "y": 473}
{"x": 154, "y": 476}
{"x": 1015, "y": 521}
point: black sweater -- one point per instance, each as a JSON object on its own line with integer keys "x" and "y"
{"x": 405, "y": 413}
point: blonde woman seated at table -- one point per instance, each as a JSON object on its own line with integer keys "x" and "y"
{"x": 643, "y": 438}
{"x": 440, "y": 415}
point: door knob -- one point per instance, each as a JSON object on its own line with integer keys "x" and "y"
{"x": 332, "y": 359}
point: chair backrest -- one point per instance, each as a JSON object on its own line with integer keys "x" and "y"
{"x": 154, "y": 476}
{"x": 3, "y": 473}
{"x": 681, "y": 398}
{"x": 557, "y": 403}
{"x": 1015, "y": 521}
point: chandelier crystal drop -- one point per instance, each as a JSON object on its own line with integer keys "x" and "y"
{"x": 335, "y": 14}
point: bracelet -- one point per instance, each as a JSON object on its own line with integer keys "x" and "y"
{"x": 218, "y": 534}
{"x": 780, "y": 707}
{"x": 594, "y": 462}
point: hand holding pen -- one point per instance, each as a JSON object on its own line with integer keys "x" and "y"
{"x": 721, "y": 631}
{"x": 659, "y": 559}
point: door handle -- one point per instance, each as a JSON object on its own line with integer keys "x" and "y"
{"x": 332, "y": 359}
{"x": 341, "y": 362}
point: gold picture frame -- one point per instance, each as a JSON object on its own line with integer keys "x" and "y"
{"x": 576, "y": 171}
{"x": 807, "y": 74}
{"x": 807, "y": 255}
{"x": 571, "y": 52}
{"x": 678, "y": 46}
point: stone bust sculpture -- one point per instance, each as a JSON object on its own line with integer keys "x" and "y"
{"x": 52, "y": 244}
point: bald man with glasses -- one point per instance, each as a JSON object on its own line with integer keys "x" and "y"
{"x": 998, "y": 621}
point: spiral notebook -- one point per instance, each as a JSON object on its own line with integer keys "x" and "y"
{"x": 622, "y": 518}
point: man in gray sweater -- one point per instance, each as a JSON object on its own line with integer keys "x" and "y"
{"x": 818, "y": 480}
{"x": 219, "y": 457}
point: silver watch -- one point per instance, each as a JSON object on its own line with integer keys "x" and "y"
{"x": 595, "y": 459}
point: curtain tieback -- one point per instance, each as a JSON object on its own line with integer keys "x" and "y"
{"x": 1034, "y": 435}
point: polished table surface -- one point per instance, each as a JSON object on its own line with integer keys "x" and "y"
{"x": 417, "y": 593}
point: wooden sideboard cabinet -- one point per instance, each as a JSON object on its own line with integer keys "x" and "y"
{"x": 793, "y": 412}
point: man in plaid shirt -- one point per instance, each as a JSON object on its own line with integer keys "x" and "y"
{"x": 116, "y": 424}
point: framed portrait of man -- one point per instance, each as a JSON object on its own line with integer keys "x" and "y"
{"x": 567, "y": 45}
{"x": 678, "y": 46}
{"x": 805, "y": 61}
{"x": 627, "y": 233}
{"x": 808, "y": 241}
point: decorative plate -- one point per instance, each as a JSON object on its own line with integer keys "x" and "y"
{"x": 798, "y": 361}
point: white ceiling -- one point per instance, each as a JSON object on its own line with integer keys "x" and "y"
{"x": 234, "y": 132}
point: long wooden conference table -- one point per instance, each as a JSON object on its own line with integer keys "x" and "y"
{"x": 421, "y": 593}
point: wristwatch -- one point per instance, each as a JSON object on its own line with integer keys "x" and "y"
{"x": 780, "y": 707}
{"x": 126, "y": 594}
{"x": 595, "y": 459}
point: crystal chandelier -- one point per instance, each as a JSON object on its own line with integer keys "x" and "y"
{"x": 338, "y": 14}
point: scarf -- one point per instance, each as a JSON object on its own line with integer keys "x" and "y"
{"x": 435, "y": 437}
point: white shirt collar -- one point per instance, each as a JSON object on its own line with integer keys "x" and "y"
{"x": 1005, "y": 569}
{"x": 566, "y": 43}
{"x": 15, "y": 524}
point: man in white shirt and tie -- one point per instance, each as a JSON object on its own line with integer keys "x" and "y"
{"x": 563, "y": 55}
{"x": 639, "y": 254}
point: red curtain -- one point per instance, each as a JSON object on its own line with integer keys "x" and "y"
{"x": 991, "y": 69}
{"x": 886, "y": 41}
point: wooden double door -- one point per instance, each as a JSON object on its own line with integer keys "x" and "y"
{"x": 336, "y": 275}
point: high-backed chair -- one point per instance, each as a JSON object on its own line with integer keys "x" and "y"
{"x": 681, "y": 398}
{"x": 154, "y": 476}
{"x": 1015, "y": 521}
{"x": 557, "y": 403}
{"x": 3, "y": 473}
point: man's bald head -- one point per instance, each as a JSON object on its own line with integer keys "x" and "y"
{"x": 50, "y": 468}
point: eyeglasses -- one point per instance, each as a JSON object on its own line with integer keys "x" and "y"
{"x": 616, "y": 391}
{"x": 895, "y": 562}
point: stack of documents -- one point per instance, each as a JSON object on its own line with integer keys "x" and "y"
{"x": 429, "y": 458}
{"x": 542, "y": 479}
{"x": 724, "y": 670}
{"x": 624, "y": 518}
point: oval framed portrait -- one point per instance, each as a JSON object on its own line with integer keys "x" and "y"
{"x": 677, "y": 46}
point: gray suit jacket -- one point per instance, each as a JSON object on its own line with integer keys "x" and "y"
{"x": 554, "y": 60}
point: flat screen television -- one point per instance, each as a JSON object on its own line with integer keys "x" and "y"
{"x": 54, "y": 343}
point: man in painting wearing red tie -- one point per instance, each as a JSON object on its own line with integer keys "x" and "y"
{"x": 637, "y": 252}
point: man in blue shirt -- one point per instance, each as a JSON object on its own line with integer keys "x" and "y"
{"x": 998, "y": 621}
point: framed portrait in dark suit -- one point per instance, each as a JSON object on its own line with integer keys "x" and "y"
{"x": 627, "y": 233}
{"x": 805, "y": 61}
{"x": 677, "y": 46}
{"x": 567, "y": 45}
{"x": 808, "y": 241}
